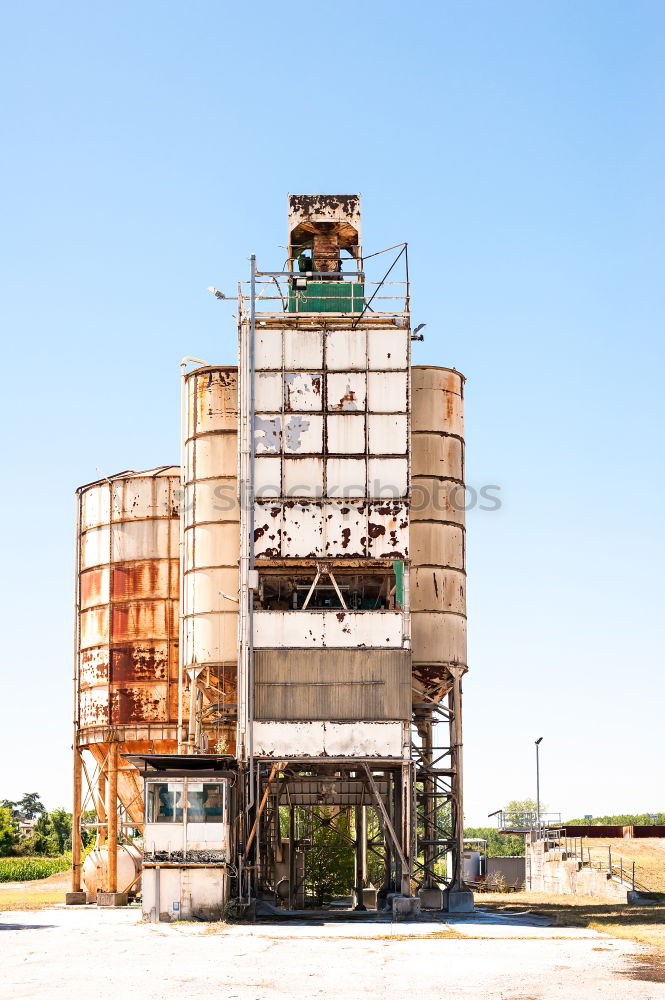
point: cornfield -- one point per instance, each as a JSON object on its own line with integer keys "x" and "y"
{"x": 26, "y": 869}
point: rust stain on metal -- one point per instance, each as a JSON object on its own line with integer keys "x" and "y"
{"x": 139, "y": 662}
{"x": 91, "y": 587}
{"x": 140, "y": 579}
{"x": 137, "y": 704}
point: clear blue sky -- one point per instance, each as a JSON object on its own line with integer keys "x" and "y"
{"x": 518, "y": 146}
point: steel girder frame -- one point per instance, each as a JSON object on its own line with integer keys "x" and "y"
{"x": 386, "y": 788}
{"x": 439, "y": 823}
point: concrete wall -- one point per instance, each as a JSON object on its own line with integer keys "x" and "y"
{"x": 509, "y": 869}
{"x": 551, "y": 871}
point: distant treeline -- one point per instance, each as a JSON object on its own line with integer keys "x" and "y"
{"x": 499, "y": 845}
{"x": 624, "y": 819}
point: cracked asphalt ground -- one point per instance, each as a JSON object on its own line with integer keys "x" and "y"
{"x": 84, "y": 952}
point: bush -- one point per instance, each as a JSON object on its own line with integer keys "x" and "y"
{"x": 8, "y": 831}
{"x": 26, "y": 869}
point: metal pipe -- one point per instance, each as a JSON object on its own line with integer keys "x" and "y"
{"x": 538, "y": 742}
{"x": 112, "y": 817}
{"x": 181, "y": 542}
{"x": 360, "y": 857}
{"x": 101, "y": 809}
{"x": 457, "y": 797}
{"x": 292, "y": 856}
{"x": 76, "y": 804}
{"x": 252, "y": 335}
{"x": 76, "y": 821}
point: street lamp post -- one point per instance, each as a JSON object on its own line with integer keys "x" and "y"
{"x": 538, "y": 742}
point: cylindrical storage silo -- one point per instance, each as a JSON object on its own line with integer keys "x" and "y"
{"x": 127, "y": 628}
{"x": 211, "y": 551}
{"x": 438, "y": 578}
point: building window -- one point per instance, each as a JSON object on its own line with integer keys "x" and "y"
{"x": 165, "y": 802}
{"x": 205, "y": 802}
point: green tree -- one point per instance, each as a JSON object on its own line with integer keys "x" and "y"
{"x": 8, "y": 832}
{"x": 522, "y": 812}
{"x": 61, "y": 826}
{"x": 499, "y": 845}
{"x": 30, "y": 805}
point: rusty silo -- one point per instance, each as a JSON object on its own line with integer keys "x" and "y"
{"x": 438, "y": 596}
{"x": 126, "y": 677}
{"x": 210, "y": 558}
{"x": 438, "y": 586}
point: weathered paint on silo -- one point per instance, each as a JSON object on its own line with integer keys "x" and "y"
{"x": 438, "y": 577}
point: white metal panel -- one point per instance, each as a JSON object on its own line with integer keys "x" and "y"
{"x": 211, "y": 638}
{"x": 303, "y": 434}
{"x": 267, "y": 477}
{"x": 202, "y": 836}
{"x": 95, "y": 506}
{"x": 387, "y": 433}
{"x": 140, "y": 540}
{"x": 388, "y": 348}
{"x": 345, "y": 477}
{"x": 288, "y": 739}
{"x": 302, "y": 532}
{"x": 164, "y": 836}
{"x": 267, "y": 434}
{"x": 346, "y": 434}
{"x": 212, "y": 545}
{"x": 215, "y": 455}
{"x": 345, "y": 350}
{"x": 94, "y": 627}
{"x": 387, "y": 477}
{"x": 335, "y": 629}
{"x": 345, "y": 529}
{"x": 363, "y": 739}
{"x": 94, "y": 706}
{"x": 373, "y": 629}
{"x": 212, "y": 400}
{"x": 95, "y": 547}
{"x": 332, "y": 739}
{"x": 386, "y": 392}
{"x": 303, "y": 349}
{"x": 211, "y": 500}
{"x": 388, "y": 529}
{"x": 267, "y": 529}
{"x": 303, "y": 477}
{"x": 302, "y": 392}
{"x": 139, "y": 497}
{"x": 347, "y": 391}
{"x": 214, "y": 589}
{"x": 267, "y": 348}
{"x": 268, "y": 391}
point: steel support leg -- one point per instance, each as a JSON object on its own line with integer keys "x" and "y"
{"x": 112, "y": 817}
{"x": 360, "y": 856}
{"x": 76, "y": 820}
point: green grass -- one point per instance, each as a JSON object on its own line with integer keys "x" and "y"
{"x": 26, "y": 869}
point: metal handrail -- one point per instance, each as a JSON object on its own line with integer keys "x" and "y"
{"x": 616, "y": 866}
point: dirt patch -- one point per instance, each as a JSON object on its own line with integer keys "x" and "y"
{"x": 37, "y": 894}
{"x": 643, "y": 924}
{"x": 648, "y": 969}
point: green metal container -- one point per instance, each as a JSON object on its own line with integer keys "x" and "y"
{"x": 328, "y": 297}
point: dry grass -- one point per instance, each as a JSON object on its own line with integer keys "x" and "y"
{"x": 36, "y": 894}
{"x": 648, "y": 855}
{"x": 643, "y": 924}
